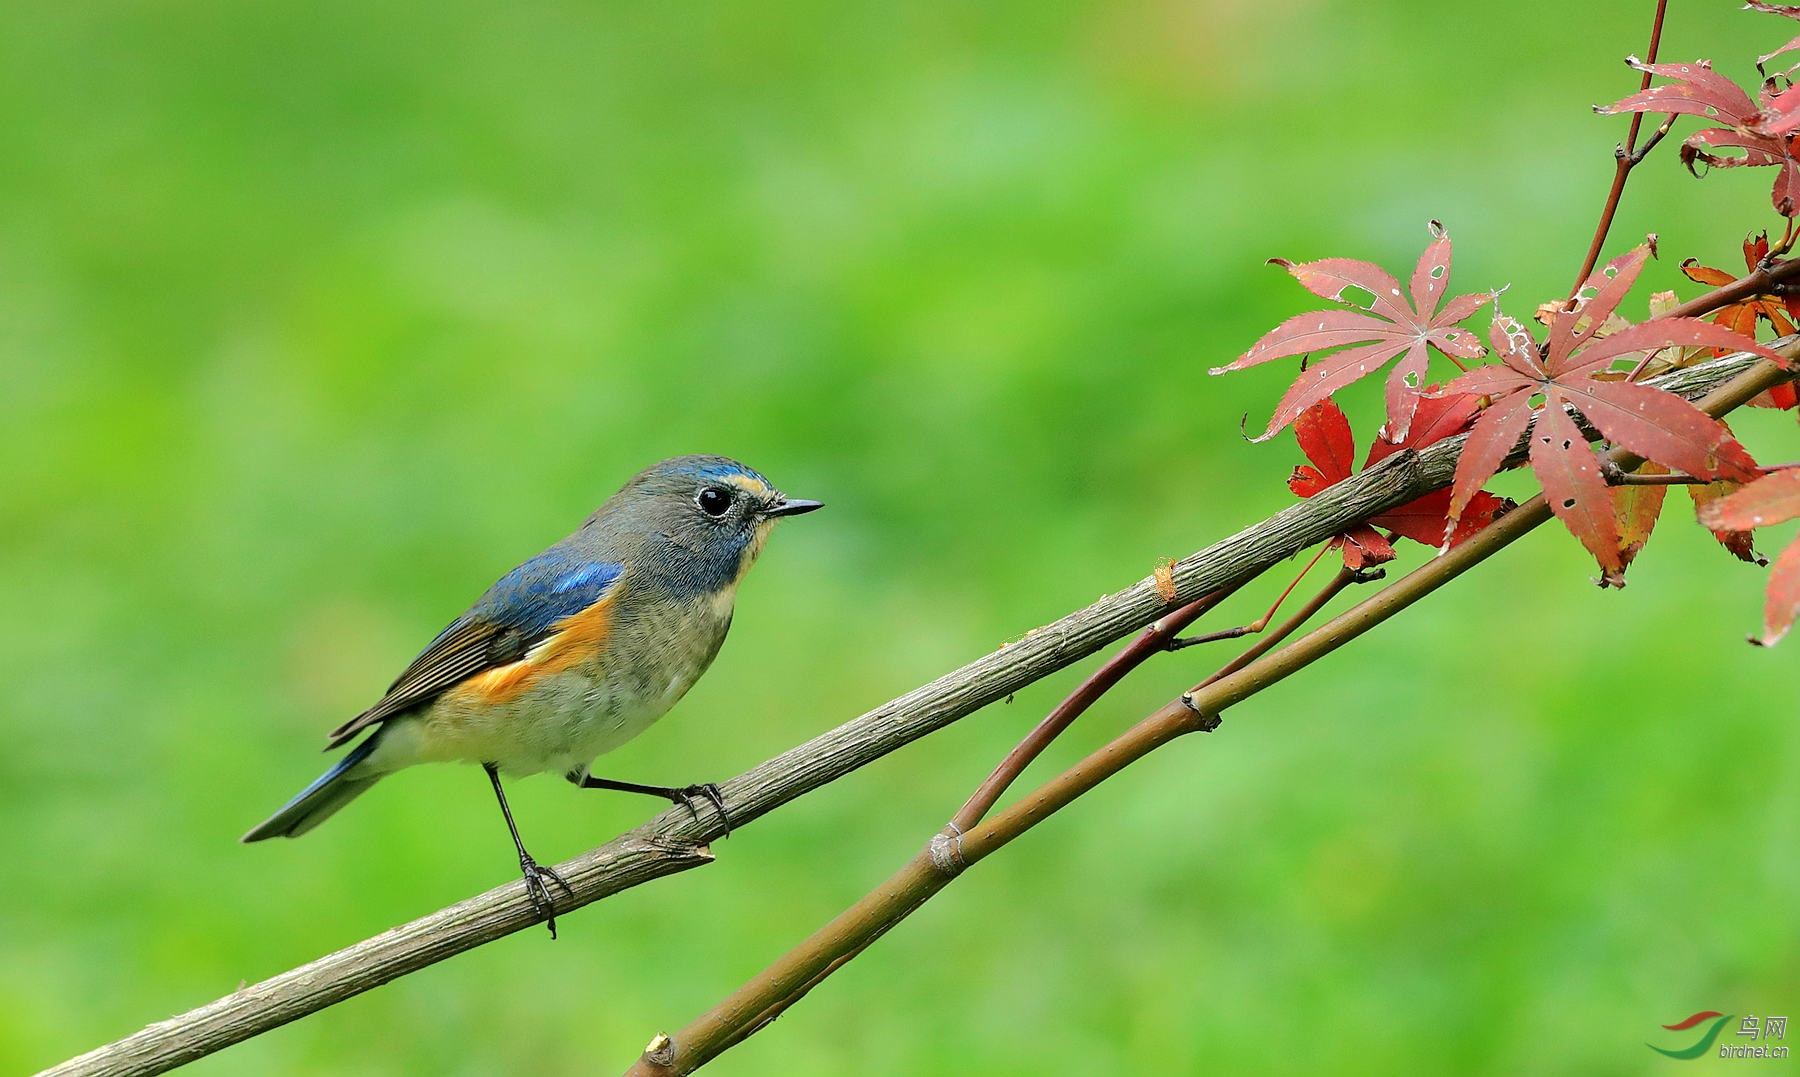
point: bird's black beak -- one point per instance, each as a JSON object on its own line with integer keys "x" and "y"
{"x": 789, "y": 506}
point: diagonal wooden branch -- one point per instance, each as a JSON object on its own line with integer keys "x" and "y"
{"x": 675, "y": 840}
{"x": 771, "y": 992}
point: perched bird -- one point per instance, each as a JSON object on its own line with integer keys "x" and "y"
{"x": 571, "y": 654}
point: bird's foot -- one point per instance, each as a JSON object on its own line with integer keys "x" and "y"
{"x": 690, "y": 795}
{"x": 539, "y": 891}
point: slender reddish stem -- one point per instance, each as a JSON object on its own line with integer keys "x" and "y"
{"x": 1345, "y": 577}
{"x": 1152, "y": 640}
{"x": 1626, "y": 158}
{"x": 1261, "y": 622}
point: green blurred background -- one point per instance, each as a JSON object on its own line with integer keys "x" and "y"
{"x": 314, "y": 318}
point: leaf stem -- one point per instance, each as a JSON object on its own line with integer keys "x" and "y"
{"x": 1345, "y": 577}
{"x": 1254, "y": 626}
{"x": 1152, "y": 640}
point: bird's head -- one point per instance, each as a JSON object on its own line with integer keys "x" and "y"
{"x": 709, "y": 514}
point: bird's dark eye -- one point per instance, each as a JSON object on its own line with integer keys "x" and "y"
{"x": 714, "y": 501}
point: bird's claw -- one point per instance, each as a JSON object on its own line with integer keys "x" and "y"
{"x": 539, "y": 891}
{"x": 687, "y": 796}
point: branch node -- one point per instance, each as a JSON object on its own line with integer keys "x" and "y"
{"x": 946, "y": 849}
{"x": 660, "y": 1051}
{"x": 1203, "y": 721}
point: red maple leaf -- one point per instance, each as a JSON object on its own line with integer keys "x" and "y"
{"x": 1769, "y": 500}
{"x": 1791, "y": 11}
{"x": 1758, "y": 134}
{"x": 1637, "y": 508}
{"x": 1742, "y": 315}
{"x": 1650, "y": 422}
{"x": 1325, "y": 437}
{"x": 1388, "y": 326}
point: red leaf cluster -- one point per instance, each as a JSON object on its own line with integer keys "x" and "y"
{"x": 1325, "y": 437}
{"x": 1368, "y": 336}
{"x": 1742, "y": 316}
{"x": 1757, "y": 134}
{"x": 1783, "y": 315}
{"x": 1650, "y": 422}
{"x": 1540, "y": 393}
{"x": 1771, "y": 499}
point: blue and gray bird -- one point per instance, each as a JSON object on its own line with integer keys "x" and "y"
{"x": 571, "y": 654}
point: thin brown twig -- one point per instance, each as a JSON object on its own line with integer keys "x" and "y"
{"x": 1152, "y": 640}
{"x": 1345, "y": 577}
{"x": 1254, "y": 626}
{"x": 1770, "y": 279}
{"x": 1626, "y": 157}
{"x": 1629, "y": 479}
{"x": 1788, "y": 235}
{"x": 1661, "y": 132}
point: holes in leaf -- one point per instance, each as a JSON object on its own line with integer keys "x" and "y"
{"x": 1437, "y": 272}
{"x": 1568, "y": 502}
{"x": 1355, "y": 296}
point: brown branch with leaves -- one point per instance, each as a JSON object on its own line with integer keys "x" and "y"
{"x": 1551, "y": 396}
{"x": 967, "y": 839}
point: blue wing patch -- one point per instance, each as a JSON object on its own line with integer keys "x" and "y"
{"x": 516, "y": 612}
{"x": 544, "y": 590}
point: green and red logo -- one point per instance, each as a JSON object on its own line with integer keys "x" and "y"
{"x": 1705, "y": 1041}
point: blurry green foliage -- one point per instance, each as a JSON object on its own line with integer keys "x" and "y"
{"x": 316, "y": 317}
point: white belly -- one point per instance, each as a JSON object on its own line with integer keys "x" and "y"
{"x": 560, "y": 724}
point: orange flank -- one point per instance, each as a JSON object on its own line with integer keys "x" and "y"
{"x": 501, "y": 684}
{"x": 577, "y": 639}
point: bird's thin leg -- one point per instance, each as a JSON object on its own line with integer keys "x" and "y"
{"x": 535, "y": 887}
{"x": 686, "y": 795}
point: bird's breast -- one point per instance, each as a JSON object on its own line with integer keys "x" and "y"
{"x": 604, "y": 676}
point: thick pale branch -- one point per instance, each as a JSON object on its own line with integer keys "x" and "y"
{"x": 675, "y": 840}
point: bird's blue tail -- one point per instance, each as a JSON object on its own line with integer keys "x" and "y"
{"x": 334, "y": 789}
